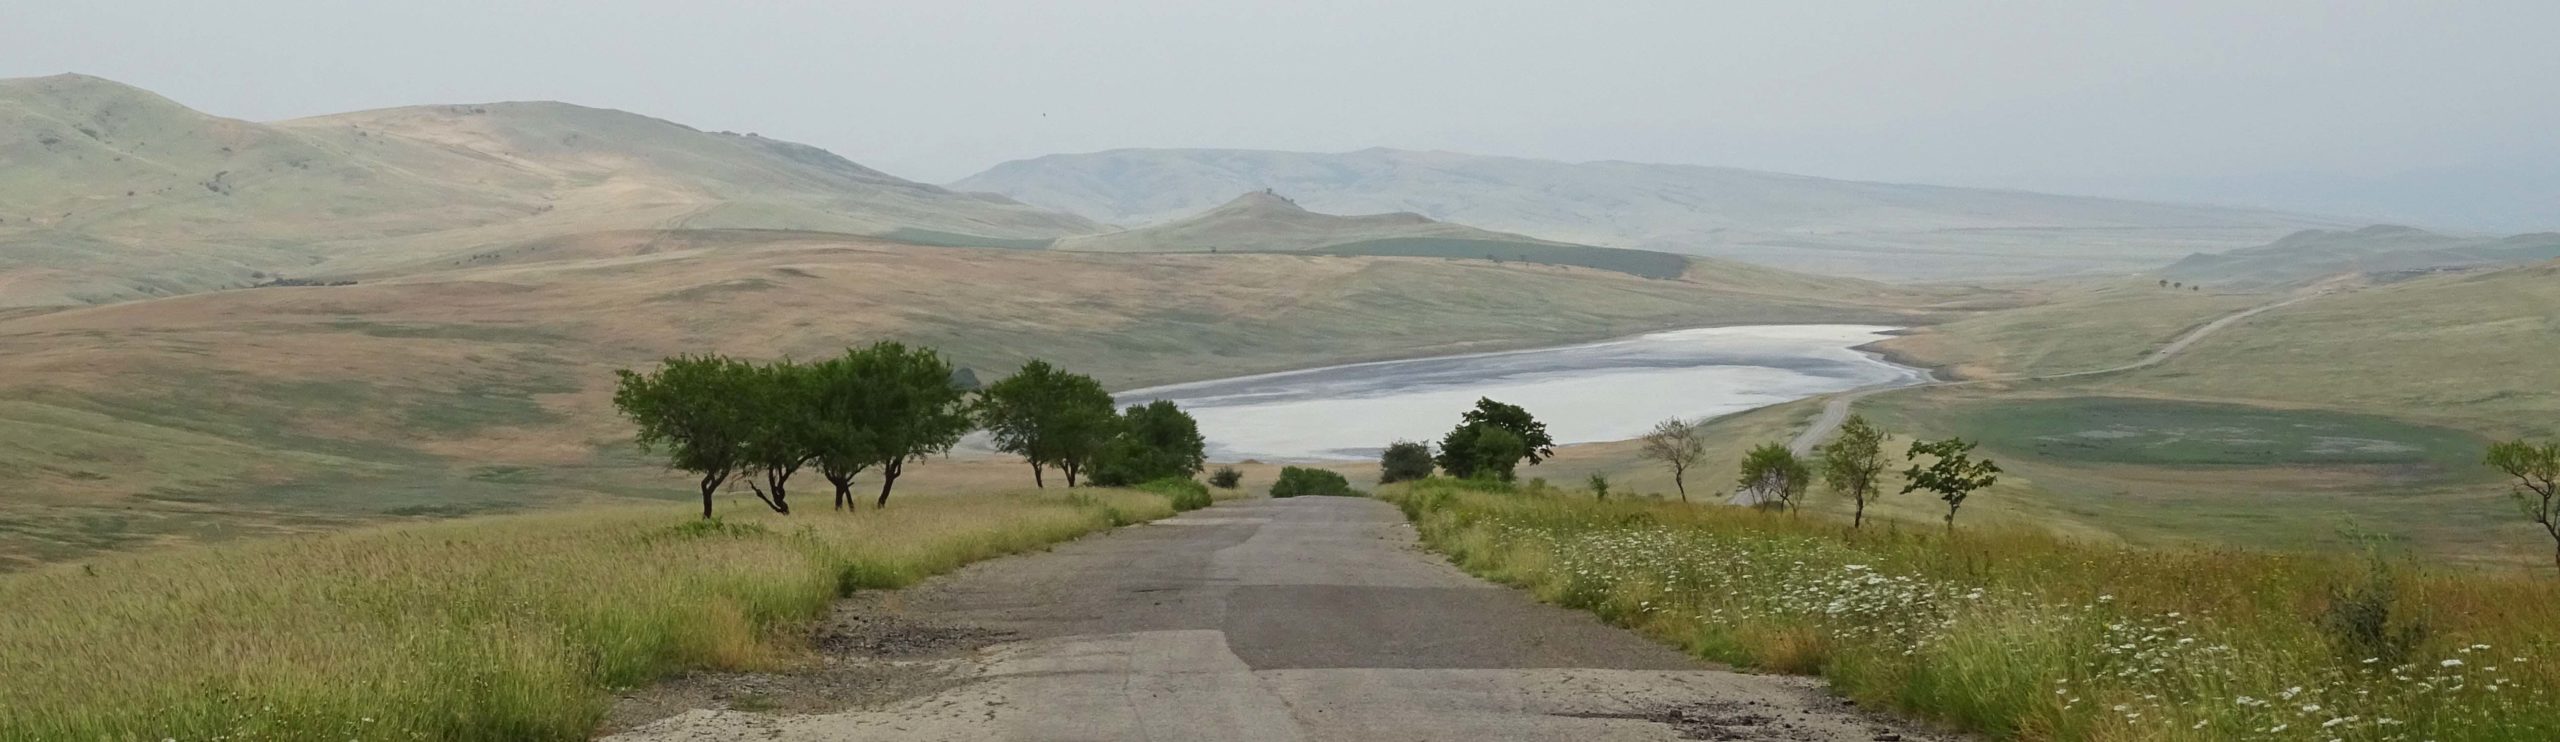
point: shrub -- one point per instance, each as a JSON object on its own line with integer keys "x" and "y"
{"x": 1187, "y": 494}
{"x": 1226, "y": 478}
{"x": 1298, "y": 481}
{"x": 1404, "y": 461}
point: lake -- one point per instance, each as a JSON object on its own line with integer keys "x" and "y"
{"x": 1605, "y": 391}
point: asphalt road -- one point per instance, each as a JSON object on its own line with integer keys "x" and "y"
{"x": 1302, "y": 619}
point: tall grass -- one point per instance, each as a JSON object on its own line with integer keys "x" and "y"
{"x": 2022, "y": 635}
{"x": 500, "y": 628}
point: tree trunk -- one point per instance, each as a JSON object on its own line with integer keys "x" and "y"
{"x": 844, "y": 488}
{"x": 889, "y": 472}
{"x": 1070, "y": 469}
{"x": 1859, "y": 520}
{"x": 1035, "y": 477}
{"x": 1683, "y": 486}
{"x": 776, "y": 499}
{"x": 710, "y": 484}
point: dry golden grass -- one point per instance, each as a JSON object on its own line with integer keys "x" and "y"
{"x": 498, "y": 628}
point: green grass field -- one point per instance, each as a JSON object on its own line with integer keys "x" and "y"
{"x": 2154, "y": 432}
{"x": 495, "y": 628}
{"x": 2017, "y": 634}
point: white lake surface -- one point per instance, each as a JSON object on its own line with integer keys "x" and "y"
{"x": 1604, "y": 391}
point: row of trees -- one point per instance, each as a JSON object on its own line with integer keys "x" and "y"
{"x": 881, "y": 407}
{"x": 1852, "y": 464}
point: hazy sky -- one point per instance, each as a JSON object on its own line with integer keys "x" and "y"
{"x": 2136, "y": 96}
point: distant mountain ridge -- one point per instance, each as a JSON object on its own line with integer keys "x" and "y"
{"x": 110, "y": 192}
{"x": 2382, "y": 249}
{"x": 1847, "y": 227}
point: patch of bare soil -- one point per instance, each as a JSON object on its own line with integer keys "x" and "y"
{"x": 1751, "y": 721}
{"x": 866, "y": 654}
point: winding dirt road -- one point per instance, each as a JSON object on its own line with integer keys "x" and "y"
{"x": 1313, "y": 618}
{"x": 1836, "y": 410}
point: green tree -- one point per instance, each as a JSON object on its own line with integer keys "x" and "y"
{"x": 1497, "y": 452}
{"x": 1599, "y": 487}
{"x": 1153, "y": 441}
{"x": 1678, "y": 444}
{"x": 782, "y": 438}
{"x": 1776, "y": 475}
{"x": 1463, "y": 455}
{"x": 1404, "y": 461}
{"x": 1049, "y": 417}
{"x": 1226, "y": 478}
{"x": 910, "y": 405}
{"x": 2536, "y": 470}
{"x": 695, "y": 411}
{"x": 1853, "y": 464}
{"x": 1953, "y": 475}
{"x": 840, "y": 432}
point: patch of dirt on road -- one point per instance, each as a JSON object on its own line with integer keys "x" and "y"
{"x": 866, "y": 654}
{"x": 1751, "y": 721}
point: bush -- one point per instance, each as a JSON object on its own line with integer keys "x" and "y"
{"x": 1404, "y": 461}
{"x": 1226, "y": 478}
{"x": 1298, "y": 481}
{"x": 1187, "y": 495}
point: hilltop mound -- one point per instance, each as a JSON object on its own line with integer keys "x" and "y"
{"x": 110, "y": 192}
{"x": 1881, "y": 230}
{"x": 2383, "y": 250}
{"x": 1265, "y": 221}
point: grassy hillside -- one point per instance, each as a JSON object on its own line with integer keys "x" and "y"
{"x": 2383, "y": 251}
{"x": 114, "y": 193}
{"x": 2473, "y": 349}
{"x": 499, "y": 628}
{"x": 2358, "y": 410}
{"x": 484, "y": 387}
{"x": 1875, "y": 230}
{"x": 2063, "y": 327}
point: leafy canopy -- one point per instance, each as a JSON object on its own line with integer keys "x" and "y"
{"x": 1049, "y": 417}
{"x": 1464, "y": 453}
{"x": 1153, "y": 441}
{"x": 1777, "y": 474}
{"x": 1404, "y": 461}
{"x": 1954, "y": 475}
{"x": 1853, "y": 463}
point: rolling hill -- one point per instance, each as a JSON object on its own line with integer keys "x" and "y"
{"x": 109, "y": 192}
{"x": 1876, "y": 230}
{"x": 1263, "y": 221}
{"x": 2382, "y": 250}
{"x": 486, "y": 386}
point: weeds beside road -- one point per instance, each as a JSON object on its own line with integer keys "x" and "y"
{"x": 2019, "y": 634}
{"x": 499, "y": 628}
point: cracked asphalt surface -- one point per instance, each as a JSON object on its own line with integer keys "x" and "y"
{"x": 1301, "y": 619}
